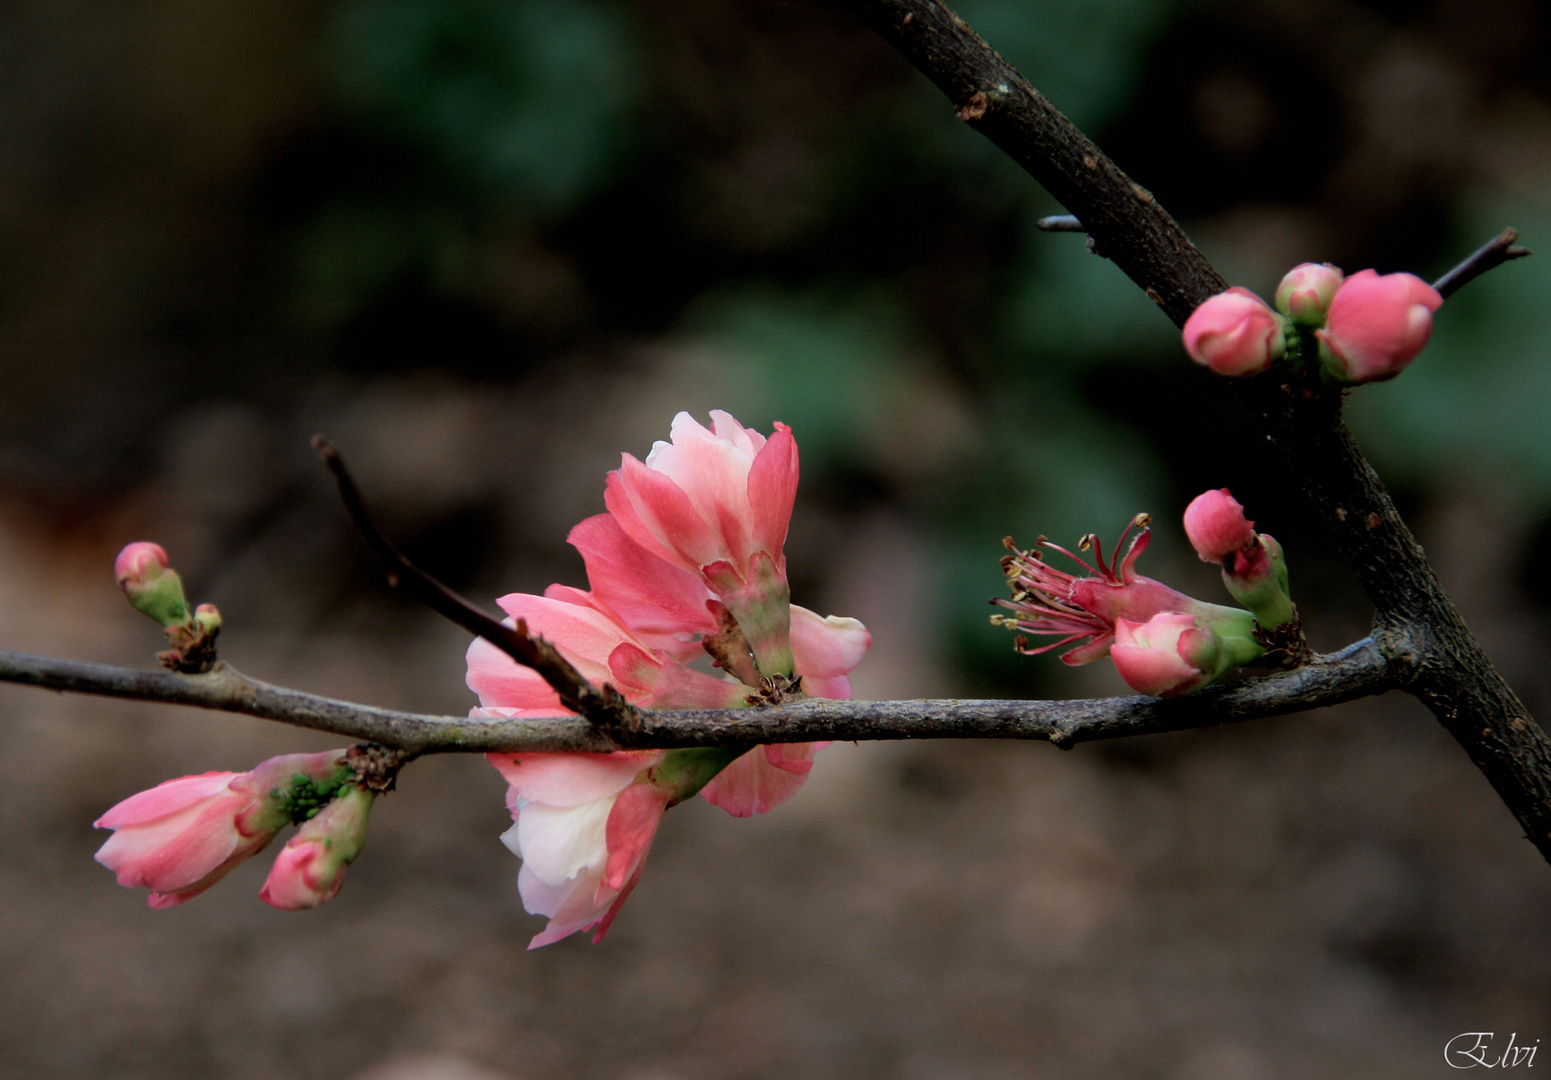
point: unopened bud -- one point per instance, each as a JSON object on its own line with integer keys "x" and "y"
{"x": 152, "y": 586}
{"x": 1235, "y": 333}
{"x": 311, "y": 868}
{"x": 207, "y": 618}
{"x": 1216, "y": 525}
{"x": 1376, "y": 326}
{"x": 1305, "y": 293}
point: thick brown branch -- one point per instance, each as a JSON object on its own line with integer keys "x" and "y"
{"x": 1357, "y": 671}
{"x": 606, "y": 708}
{"x": 1418, "y": 626}
{"x": 1127, "y": 225}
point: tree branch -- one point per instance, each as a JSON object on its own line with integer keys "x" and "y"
{"x": 1417, "y": 625}
{"x": 607, "y": 708}
{"x": 1359, "y": 670}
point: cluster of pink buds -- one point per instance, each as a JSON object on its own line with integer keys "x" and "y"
{"x": 181, "y": 837}
{"x": 1367, "y": 327}
{"x": 1253, "y": 568}
{"x": 687, "y": 561}
{"x": 1162, "y": 642}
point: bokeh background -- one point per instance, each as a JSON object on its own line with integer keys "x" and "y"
{"x": 485, "y": 245}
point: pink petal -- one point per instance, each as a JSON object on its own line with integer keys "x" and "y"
{"x": 585, "y": 631}
{"x": 657, "y": 514}
{"x": 826, "y": 647}
{"x": 179, "y": 851}
{"x": 502, "y": 683}
{"x": 754, "y": 784}
{"x": 168, "y": 797}
{"x": 631, "y": 826}
{"x": 619, "y": 901}
{"x": 837, "y": 688}
{"x": 1156, "y": 672}
{"x": 668, "y": 684}
{"x": 772, "y": 489}
{"x": 571, "y": 779}
{"x": 714, "y": 474}
{"x": 558, "y": 843}
{"x": 651, "y": 595}
{"x": 725, "y": 426}
{"x": 570, "y": 906}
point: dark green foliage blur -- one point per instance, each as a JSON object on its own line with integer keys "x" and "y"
{"x": 513, "y": 192}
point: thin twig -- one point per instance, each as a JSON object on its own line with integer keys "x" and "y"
{"x": 606, "y": 707}
{"x": 1357, "y": 671}
{"x": 1488, "y": 256}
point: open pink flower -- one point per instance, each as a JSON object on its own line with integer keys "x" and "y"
{"x": 1167, "y": 656}
{"x": 688, "y": 560}
{"x": 1377, "y": 325}
{"x": 716, "y": 503}
{"x": 583, "y": 826}
{"x": 1235, "y": 333}
{"x": 182, "y": 836}
{"x": 1088, "y": 612}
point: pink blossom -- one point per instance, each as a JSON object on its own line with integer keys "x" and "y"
{"x": 688, "y": 560}
{"x": 583, "y": 826}
{"x": 722, "y": 495}
{"x": 1305, "y": 292}
{"x": 1235, "y": 333}
{"x": 310, "y": 868}
{"x": 1216, "y": 525}
{"x": 716, "y": 503}
{"x": 1086, "y": 612}
{"x": 1377, "y": 325}
{"x": 1167, "y": 656}
{"x": 182, "y": 836}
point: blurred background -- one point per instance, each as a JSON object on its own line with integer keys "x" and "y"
{"x": 486, "y": 245}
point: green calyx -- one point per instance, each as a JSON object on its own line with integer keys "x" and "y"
{"x": 161, "y": 598}
{"x": 685, "y": 772}
{"x": 1259, "y": 582}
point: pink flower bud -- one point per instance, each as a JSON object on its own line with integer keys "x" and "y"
{"x": 1166, "y": 656}
{"x": 1216, "y": 525}
{"x": 1305, "y": 293}
{"x": 310, "y": 869}
{"x": 139, "y": 563}
{"x": 1377, "y": 325}
{"x": 1235, "y": 333}
{"x": 150, "y": 584}
{"x": 181, "y": 837}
